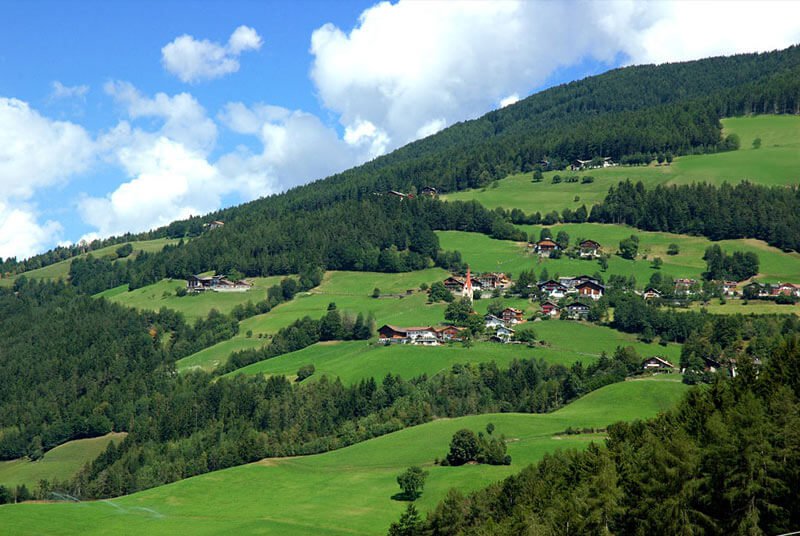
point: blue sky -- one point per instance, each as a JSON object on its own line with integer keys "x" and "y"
{"x": 122, "y": 116}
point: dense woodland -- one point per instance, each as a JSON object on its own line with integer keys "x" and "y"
{"x": 648, "y": 109}
{"x": 729, "y": 211}
{"x": 725, "y": 461}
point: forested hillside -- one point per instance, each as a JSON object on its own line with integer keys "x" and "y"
{"x": 724, "y": 462}
{"x": 633, "y": 110}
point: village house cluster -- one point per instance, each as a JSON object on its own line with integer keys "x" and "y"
{"x": 587, "y": 249}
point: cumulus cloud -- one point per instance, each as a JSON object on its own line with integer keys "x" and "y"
{"x": 410, "y": 68}
{"x": 35, "y": 153}
{"x": 680, "y": 31}
{"x": 21, "y": 234}
{"x": 60, "y": 91}
{"x": 168, "y": 181}
{"x": 297, "y": 148}
{"x": 193, "y": 60}
{"x": 184, "y": 119}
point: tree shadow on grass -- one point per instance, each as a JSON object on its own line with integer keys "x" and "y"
{"x": 405, "y": 497}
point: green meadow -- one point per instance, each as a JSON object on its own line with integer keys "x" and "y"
{"x": 343, "y": 492}
{"x": 59, "y": 463}
{"x": 776, "y": 162}
{"x": 193, "y": 306}
{"x": 486, "y": 254}
{"x": 60, "y": 270}
{"x": 352, "y": 293}
{"x": 565, "y": 342}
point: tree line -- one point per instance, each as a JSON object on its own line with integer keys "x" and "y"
{"x": 725, "y": 461}
{"x": 744, "y": 210}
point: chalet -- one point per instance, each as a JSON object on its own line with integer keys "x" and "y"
{"x": 429, "y": 191}
{"x": 454, "y": 284}
{"x": 392, "y": 334}
{"x": 512, "y": 316}
{"x": 685, "y": 286}
{"x": 544, "y": 162}
{"x": 590, "y": 289}
{"x": 216, "y": 224}
{"x": 651, "y": 294}
{"x": 492, "y": 280}
{"x": 577, "y": 311}
{"x": 426, "y": 335}
{"x": 395, "y": 193}
{"x": 603, "y": 162}
{"x": 491, "y": 321}
{"x": 545, "y": 247}
{"x": 215, "y": 283}
{"x": 553, "y": 289}
{"x": 755, "y": 288}
{"x": 589, "y": 249}
{"x": 656, "y": 363}
{"x": 503, "y": 334}
{"x": 449, "y": 333}
{"x": 550, "y": 309}
{"x": 784, "y": 289}
{"x": 729, "y": 288}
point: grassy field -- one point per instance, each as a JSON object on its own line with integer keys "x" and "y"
{"x": 60, "y": 270}
{"x": 777, "y": 162}
{"x": 59, "y": 463}
{"x": 193, "y": 306}
{"x": 343, "y": 492}
{"x": 758, "y": 307}
{"x": 567, "y": 342}
{"x": 485, "y": 254}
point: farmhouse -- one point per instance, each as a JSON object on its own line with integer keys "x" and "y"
{"x": 216, "y": 224}
{"x": 429, "y": 191}
{"x": 216, "y": 283}
{"x": 503, "y": 334}
{"x": 784, "y": 289}
{"x": 577, "y": 311}
{"x": 755, "y": 288}
{"x": 512, "y": 316}
{"x": 589, "y": 249}
{"x": 729, "y": 288}
{"x": 553, "y": 289}
{"x": 449, "y": 333}
{"x": 492, "y": 280}
{"x": 656, "y": 363}
{"x": 651, "y": 293}
{"x": 545, "y": 247}
{"x": 601, "y": 162}
{"x": 590, "y": 289}
{"x": 550, "y": 309}
{"x": 491, "y": 321}
{"x": 685, "y": 286}
{"x": 426, "y": 335}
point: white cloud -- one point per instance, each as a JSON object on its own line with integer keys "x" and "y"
{"x": 37, "y": 152}
{"x": 410, "y": 68}
{"x": 508, "y": 101}
{"x": 184, "y": 118}
{"x": 193, "y": 60}
{"x": 297, "y": 148}
{"x": 168, "y": 182}
{"x": 60, "y": 91}
{"x": 21, "y": 235}
{"x": 681, "y": 31}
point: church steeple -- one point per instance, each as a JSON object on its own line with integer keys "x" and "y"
{"x": 467, "y": 292}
